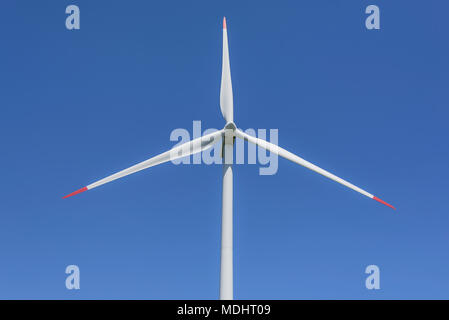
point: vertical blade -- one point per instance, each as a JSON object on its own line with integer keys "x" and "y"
{"x": 226, "y": 98}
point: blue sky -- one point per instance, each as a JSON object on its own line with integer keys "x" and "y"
{"x": 369, "y": 106}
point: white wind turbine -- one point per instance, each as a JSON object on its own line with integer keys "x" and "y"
{"x": 227, "y": 135}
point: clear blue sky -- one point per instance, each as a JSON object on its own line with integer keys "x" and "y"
{"x": 369, "y": 106}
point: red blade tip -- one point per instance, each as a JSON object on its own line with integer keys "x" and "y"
{"x": 75, "y": 192}
{"x": 224, "y": 22}
{"x": 383, "y": 202}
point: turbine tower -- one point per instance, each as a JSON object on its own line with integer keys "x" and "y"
{"x": 227, "y": 135}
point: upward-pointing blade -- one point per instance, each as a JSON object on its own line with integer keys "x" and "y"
{"x": 226, "y": 99}
{"x": 292, "y": 157}
{"x": 183, "y": 150}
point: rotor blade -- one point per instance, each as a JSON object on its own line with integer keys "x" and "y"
{"x": 226, "y": 99}
{"x": 292, "y": 157}
{"x": 185, "y": 149}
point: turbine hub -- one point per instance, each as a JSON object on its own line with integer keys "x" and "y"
{"x": 230, "y": 126}
{"x": 229, "y": 132}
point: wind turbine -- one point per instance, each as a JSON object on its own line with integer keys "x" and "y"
{"x": 227, "y": 135}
